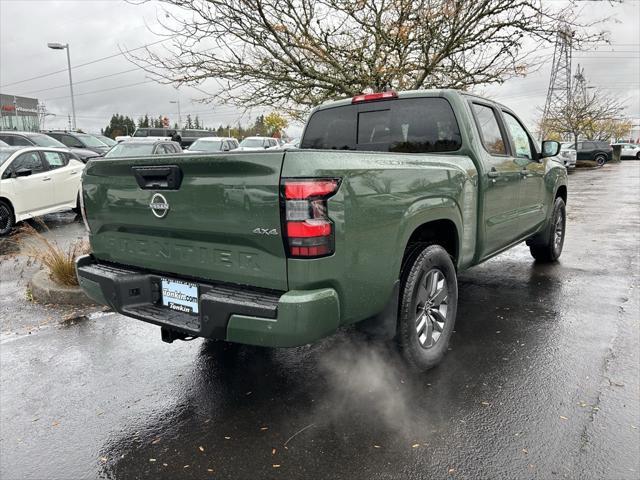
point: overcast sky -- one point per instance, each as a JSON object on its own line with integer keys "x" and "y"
{"x": 100, "y": 28}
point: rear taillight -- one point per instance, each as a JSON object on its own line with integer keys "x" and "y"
{"x": 308, "y": 228}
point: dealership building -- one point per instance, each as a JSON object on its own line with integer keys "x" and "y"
{"x": 19, "y": 113}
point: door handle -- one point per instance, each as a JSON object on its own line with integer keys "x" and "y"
{"x": 493, "y": 174}
{"x": 46, "y": 179}
{"x": 524, "y": 172}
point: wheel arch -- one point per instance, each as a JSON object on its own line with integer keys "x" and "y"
{"x": 442, "y": 231}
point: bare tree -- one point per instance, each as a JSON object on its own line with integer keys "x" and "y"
{"x": 293, "y": 54}
{"x": 591, "y": 113}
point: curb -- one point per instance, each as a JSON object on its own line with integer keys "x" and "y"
{"x": 44, "y": 290}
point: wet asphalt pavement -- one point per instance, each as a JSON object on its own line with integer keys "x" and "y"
{"x": 541, "y": 381}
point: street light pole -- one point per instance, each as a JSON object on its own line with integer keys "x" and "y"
{"x": 65, "y": 46}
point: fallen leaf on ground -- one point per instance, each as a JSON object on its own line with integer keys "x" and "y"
{"x": 210, "y": 470}
{"x": 525, "y": 451}
{"x": 563, "y": 417}
{"x": 155, "y": 441}
{"x": 415, "y": 445}
{"x": 264, "y": 428}
{"x": 201, "y": 449}
{"x": 103, "y": 459}
{"x": 486, "y": 404}
{"x": 273, "y": 451}
{"x": 55, "y": 424}
{"x": 152, "y": 459}
{"x": 376, "y": 446}
{"x": 227, "y": 438}
{"x": 186, "y": 466}
{"x": 276, "y": 465}
{"x": 452, "y": 470}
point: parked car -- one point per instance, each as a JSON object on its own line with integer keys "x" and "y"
{"x": 595, "y": 150}
{"x": 78, "y": 140}
{"x": 212, "y": 144}
{"x": 295, "y": 143}
{"x": 258, "y": 143}
{"x": 35, "y": 181}
{"x": 109, "y": 142}
{"x": 400, "y": 193}
{"x": 183, "y": 136}
{"x": 139, "y": 148}
{"x": 3, "y": 144}
{"x": 27, "y": 139}
{"x": 629, "y": 150}
{"x": 568, "y": 155}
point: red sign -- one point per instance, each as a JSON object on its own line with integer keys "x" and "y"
{"x": 8, "y": 108}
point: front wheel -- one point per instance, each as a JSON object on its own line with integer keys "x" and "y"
{"x": 638, "y": 156}
{"x": 600, "y": 160}
{"x": 428, "y": 303}
{"x": 550, "y": 248}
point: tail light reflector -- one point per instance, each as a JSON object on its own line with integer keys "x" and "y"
{"x": 309, "y": 230}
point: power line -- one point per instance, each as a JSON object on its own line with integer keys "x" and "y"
{"x": 100, "y": 91}
{"x": 86, "y": 63}
{"x": 66, "y": 85}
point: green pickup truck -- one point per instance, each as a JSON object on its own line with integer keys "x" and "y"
{"x": 388, "y": 197}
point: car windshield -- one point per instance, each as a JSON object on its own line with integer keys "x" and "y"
{"x": 4, "y": 154}
{"x": 206, "y": 145}
{"x": 252, "y": 142}
{"x": 46, "y": 141}
{"x": 110, "y": 142}
{"x": 130, "y": 150}
{"x": 141, "y": 133}
{"x": 90, "y": 140}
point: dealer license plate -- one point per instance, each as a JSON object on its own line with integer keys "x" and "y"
{"x": 180, "y": 296}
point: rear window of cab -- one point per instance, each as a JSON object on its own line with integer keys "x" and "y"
{"x": 410, "y": 125}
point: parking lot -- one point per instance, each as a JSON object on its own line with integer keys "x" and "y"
{"x": 541, "y": 380}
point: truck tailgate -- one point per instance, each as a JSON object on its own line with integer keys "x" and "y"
{"x": 222, "y": 221}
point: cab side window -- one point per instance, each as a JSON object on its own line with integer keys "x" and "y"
{"x": 490, "y": 131}
{"x": 55, "y": 160}
{"x": 521, "y": 140}
{"x": 16, "y": 140}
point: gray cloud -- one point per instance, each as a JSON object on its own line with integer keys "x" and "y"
{"x": 99, "y": 28}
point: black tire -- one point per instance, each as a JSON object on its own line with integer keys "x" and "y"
{"x": 600, "y": 159}
{"x": 549, "y": 249}
{"x": 7, "y": 218}
{"x": 418, "y": 343}
{"x": 638, "y": 156}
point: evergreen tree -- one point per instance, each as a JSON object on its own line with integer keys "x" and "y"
{"x": 196, "y": 123}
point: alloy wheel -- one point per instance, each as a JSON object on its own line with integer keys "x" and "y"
{"x": 431, "y": 307}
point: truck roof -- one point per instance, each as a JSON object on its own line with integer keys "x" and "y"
{"x": 435, "y": 92}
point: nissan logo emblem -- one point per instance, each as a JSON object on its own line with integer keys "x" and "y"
{"x": 159, "y": 205}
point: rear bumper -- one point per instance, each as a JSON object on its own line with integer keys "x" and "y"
{"x": 227, "y": 312}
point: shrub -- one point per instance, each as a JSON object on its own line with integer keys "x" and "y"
{"x": 59, "y": 261}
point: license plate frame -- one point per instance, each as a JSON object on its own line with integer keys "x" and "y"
{"x": 180, "y": 296}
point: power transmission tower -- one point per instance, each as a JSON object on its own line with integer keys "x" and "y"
{"x": 580, "y": 86}
{"x": 559, "y": 93}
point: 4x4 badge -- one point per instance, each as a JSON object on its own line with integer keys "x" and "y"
{"x": 265, "y": 231}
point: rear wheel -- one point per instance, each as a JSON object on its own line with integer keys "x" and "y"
{"x": 7, "y": 219}
{"x": 638, "y": 156}
{"x": 550, "y": 248}
{"x": 428, "y": 304}
{"x": 600, "y": 159}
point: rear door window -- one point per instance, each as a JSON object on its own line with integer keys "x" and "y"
{"x": 55, "y": 159}
{"x": 489, "y": 128}
{"x": 410, "y": 125}
{"x": 17, "y": 141}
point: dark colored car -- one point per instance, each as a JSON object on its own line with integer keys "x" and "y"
{"x": 138, "y": 148}
{"x": 79, "y": 140}
{"x": 29, "y": 139}
{"x": 595, "y": 150}
{"x": 184, "y": 137}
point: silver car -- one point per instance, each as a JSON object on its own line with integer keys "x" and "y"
{"x": 568, "y": 155}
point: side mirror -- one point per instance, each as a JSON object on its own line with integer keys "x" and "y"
{"x": 23, "y": 172}
{"x": 550, "y": 148}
